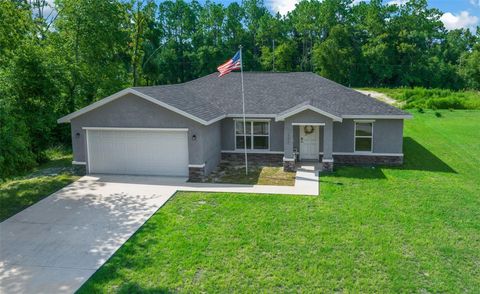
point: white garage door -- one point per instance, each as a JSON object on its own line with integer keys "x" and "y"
{"x": 138, "y": 151}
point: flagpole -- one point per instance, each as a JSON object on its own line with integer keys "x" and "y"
{"x": 243, "y": 108}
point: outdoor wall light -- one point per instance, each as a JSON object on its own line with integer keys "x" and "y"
{"x": 77, "y": 135}
{"x": 194, "y": 137}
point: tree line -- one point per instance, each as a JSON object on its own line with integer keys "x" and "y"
{"x": 55, "y": 61}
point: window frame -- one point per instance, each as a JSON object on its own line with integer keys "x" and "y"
{"x": 251, "y": 135}
{"x": 355, "y": 136}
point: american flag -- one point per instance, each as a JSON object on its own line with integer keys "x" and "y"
{"x": 232, "y": 64}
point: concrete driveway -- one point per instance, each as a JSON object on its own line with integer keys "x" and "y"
{"x": 55, "y": 245}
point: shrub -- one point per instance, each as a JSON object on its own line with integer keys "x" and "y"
{"x": 438, "y": 114}
{"x": 15, "y": 153}
{"x": 420, "y": 110}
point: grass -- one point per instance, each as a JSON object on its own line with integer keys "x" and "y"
{"x": 433, "y": 98}
{"x": 412, "y": 229}
{"x": 18, "y": 193}
{"x": 257, "y": 175}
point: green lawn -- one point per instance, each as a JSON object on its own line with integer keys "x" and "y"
{"x": 409, "y": 229}
{"x": 19, "y": 193}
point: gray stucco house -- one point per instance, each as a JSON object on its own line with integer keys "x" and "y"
{"x": 186, "y": 129}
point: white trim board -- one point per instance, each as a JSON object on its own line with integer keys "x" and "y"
{"x": 364, "y": 154}
{"x": 320, "y": 153}
{"x": 258, "y": 151}
{"x": 298, "y": 109}
{"x": 253, "y": 119}
{"x": 87, "y": 154}
{"x": 364, "y": 120}
{"x": 197, "y": 165}
{"x": 79, "y": 162}
{"x": 137, "y": 129}
{"x": 401, "y": 116}
{"x": 308, "y": 124}
{"x": 240, "y": 116}
{"x": 124, "y": 92}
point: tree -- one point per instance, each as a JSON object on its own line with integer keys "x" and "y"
{"x": 470, "y": 67}
{"x": 141, "y": 16}
{"x": 334, "y": 58}
{"x": 415, "y": 29}
{"x": 284, "y": 57}
{"x": 178, "y": 22}
{"x": 90, "y": 39}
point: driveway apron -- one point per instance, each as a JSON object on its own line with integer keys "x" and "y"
{"x": 55, "y": 245}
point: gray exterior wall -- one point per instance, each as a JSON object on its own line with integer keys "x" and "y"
{"x": 228, "y": 134}
{"x": 131, "y": 111}
{"x": 387, "y": 136}
{"x": 343, "y": 136}
{"x": 212, "y": 143}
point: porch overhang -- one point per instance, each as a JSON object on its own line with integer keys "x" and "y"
{"x": 302, "y": 107}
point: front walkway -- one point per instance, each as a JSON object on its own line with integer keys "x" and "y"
{"x": 55, "y": 245}
{"x": 306, "y": 183}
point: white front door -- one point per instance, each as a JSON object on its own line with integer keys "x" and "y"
{"x": 309, "y": 148}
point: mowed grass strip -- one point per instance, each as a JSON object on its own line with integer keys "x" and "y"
{"x": 409, "y": 229}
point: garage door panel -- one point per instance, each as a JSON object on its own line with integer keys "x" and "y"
{"x": 138, "y": 152}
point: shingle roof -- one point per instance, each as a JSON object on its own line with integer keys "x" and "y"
{"x": 266, "y": 93}
{"x": 179, "y": 96}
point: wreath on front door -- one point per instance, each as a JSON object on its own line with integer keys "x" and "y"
{"x": 308, "y": 129}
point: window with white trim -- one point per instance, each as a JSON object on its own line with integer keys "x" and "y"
{"x": 257, "y": 133}
{"x": 363, "y": 136}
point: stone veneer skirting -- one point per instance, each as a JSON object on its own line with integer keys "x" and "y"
{"x": 367, "y": 160}
{"x": 198, "y": 173}
{"x": 254, "y": 158}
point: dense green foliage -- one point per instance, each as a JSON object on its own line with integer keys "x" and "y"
{"x": 433, "y": 98}
{"x": 411, "y": 229}
{"x": 53, "y": 64}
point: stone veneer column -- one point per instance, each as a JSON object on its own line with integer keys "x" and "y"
{"x": 196, "y": 173}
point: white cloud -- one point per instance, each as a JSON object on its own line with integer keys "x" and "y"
{"x": 462, "y": 20}
{"x": 397, "y": 2}
{"x": 284, "y": 6}
{"x": 475, "y": 2}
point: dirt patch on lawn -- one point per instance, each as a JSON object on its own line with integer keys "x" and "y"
{"x": 382, "y": 97}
